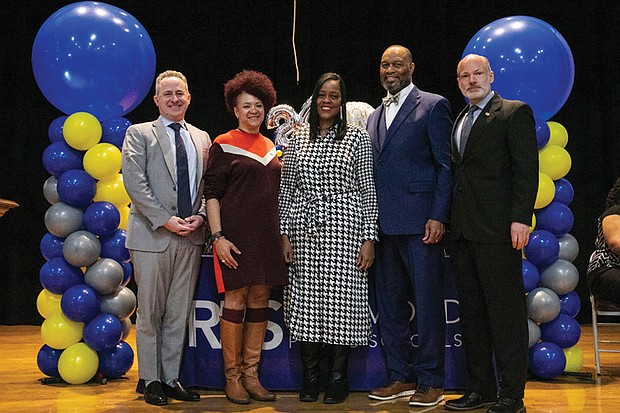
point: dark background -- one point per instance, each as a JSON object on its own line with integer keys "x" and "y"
{"x": 210, "y": 41}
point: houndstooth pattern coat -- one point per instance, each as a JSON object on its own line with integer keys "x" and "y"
{"x": 328, "y": 207}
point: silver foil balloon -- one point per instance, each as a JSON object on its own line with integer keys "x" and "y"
{"x": 543, "y": 305}
{"x": 62, "y": 219}
{"x": 105, "y": 276}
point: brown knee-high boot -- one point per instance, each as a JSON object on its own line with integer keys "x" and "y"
{"x": 232, "y": 338}
{"x": 253, "y": 338}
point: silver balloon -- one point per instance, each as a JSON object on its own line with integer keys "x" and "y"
{"x": 49, "y": 190}
{"x": 121, "y": 303}
{"x": 62, "y": 219}
{"x": 543, "y": 305}
{"x": 533, "y": 332}
{"x": 105, "y": 276}
{"x": 358, "y": 113}
{"x": 126, "y": 323}
{"x": 81, "y": 248}
{"x": 569, "y": 248}
{"x": 561, "y": 276}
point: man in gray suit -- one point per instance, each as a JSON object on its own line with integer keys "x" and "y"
{"x": 163, "y": 165}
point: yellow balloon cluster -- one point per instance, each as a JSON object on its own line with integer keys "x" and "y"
{"x": 78, "y": 364}
{"x": 546, "y": 191}
{"x": 554, "y": 161}
{"x": 574, "y": 359}
{"x": 48, "y": 303}
{"x": 82, "y": 131}
{"x": 558, "y": 135}
{"x": 58, "y": 332}
{"x": 112, "y": 189}
{"x": 102, "y": 161}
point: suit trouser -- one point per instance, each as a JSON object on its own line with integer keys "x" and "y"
{"x": 408, "y": 270}
{"x": 493, "y": 316}
{"x": 166, "y": 283}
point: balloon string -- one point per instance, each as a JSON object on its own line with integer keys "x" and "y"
{"x": 293, "y": 38}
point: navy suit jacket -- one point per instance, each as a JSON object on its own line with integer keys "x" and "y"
{"x": 413, "y": 175}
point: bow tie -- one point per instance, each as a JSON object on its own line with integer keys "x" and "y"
{"x": 389, "y": 99}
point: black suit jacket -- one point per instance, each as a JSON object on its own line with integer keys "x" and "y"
{"x": 496, "y": 180}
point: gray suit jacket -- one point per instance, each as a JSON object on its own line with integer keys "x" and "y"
{"x": 149, "y": 175}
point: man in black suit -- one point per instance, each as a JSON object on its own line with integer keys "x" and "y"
{"x": 495, "y": 164}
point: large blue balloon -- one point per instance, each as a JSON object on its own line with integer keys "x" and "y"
{"x": 57, "y": 275}
{"x": 542, "y": 249}
{"x": 117, "y": 361}
{"x": 547, "y": 360}
{"x": 531, "y": 276}
{"x": 76, "y": 188}
{"x": 47, "y": 360}
{"x": 564, "y": 191}
{"x": 80, "y": 303}
{"x": 103, "y": 332}
{"x": 556, "y": 218}
{"x": 51, "y": 246}
{"x": 113, "y": 246}
{"x": 564, "y": 331}
{"x": 531, "y": 60}
{"x": 60, "y": 157}
{"x": 93, "y": 57}
{"x": 101, "y": 218}
{"x": 113, "y": 131}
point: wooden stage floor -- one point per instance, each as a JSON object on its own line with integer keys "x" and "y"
{"x": 20, "y": 390}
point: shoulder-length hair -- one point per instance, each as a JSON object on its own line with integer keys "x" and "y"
{"x": 313, "y": 118}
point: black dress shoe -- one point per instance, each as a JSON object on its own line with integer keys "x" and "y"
{"x": 470, "y": 401}
{"x": 154, "y": 394}
{"x": 507, "y": 405}
{"x": 178, "y": 392}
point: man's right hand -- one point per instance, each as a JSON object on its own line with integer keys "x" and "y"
{"x": 178, "y": 226}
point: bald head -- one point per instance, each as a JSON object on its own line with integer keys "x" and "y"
{"x": 396, "y": 68}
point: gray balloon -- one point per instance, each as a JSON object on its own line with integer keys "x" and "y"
{"x": 121, "y": 303}
{"x": 543, "y": 305}
{"x": 561, "y": 276}
{"x": 533, "y": 331}
{"x": 569, "y": 248}
{"x": 81, "y": 248}
{"x": 105, "y": 276}
{"x": 62, "y": 219}
{"x": 126, "y": 323}
{"x": 49, "y": 190}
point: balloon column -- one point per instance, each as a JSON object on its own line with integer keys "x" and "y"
{"x": 533, "y": 63}
{"x": 95, "y": 63}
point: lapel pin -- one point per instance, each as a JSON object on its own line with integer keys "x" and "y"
{"x": 487, "y": 114}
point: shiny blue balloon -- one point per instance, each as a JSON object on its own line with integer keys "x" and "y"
{"x": 113, "y": 246}
{"x": 47, "y": 360}
{"x": 102, "y": 218}
{"x": 76, "y": 188}
{"x": 564, "y": 191}
{"x": 51, "y": 246}
{"x": 531, "y": 60}
{"x": 564, "y": 331}
{"x": 103, "y": 332}
{"x": 80, "y": 303}
{"x": 54, "y": 131}
{"x": 60, "y": 157}
{"x": 556, "y": 218}
{"x": 115, "y": 362}
{"x": 57, "y": 276}
{"x": 93, "y": 57}
{"x": 542, "y": 249}
{"x": 114, "y": 131}
{"x": 570, "y": 304}
{"x": 543, "y": 133}
{"x": 531, "y": 276}
{"x": 547, "y": 360}
{"x": 127, "y": 272}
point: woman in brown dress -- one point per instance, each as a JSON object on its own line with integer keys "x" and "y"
{"x": 241, "y": 189}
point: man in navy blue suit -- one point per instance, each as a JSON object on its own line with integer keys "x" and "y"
{"x": 410, "y": 134}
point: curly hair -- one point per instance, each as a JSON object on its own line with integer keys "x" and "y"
{"x": 613, "y": 197}
{"x": 252, "y": 82}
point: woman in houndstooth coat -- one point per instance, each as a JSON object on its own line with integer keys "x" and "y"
{"x": 328, "y": 214}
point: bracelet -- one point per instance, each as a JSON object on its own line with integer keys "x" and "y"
{"x": 216, "y": 236}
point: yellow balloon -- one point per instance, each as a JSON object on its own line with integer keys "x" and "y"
{"x": 58, "y": 332}
{"x": 112, "y": 190}
{"x": 546, "y": 191}
{"x": 558, "y": 135}
{"x": 533, "y": 223}
{"x": 78, "y": 364}
{"x": 102, "y": 160}
{"x": 124, "y": 211}
{"x": 48, "y": 303}
{"x": 82, "y": 131}
{"x": 574, "y": 359}
{"x": 554, "y": 161}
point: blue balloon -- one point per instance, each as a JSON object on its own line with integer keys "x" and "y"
{"x": 76, "y": 188}
{"x": 547, "y": 360}
{"x": 103, "y": 332}
{"x": 113, "y": 246}
{"x": 542, "y": 249}
{"x": 57, "y": 275}
{"x": 60, "y": 157}
{"x": 531, "y": 276}
{"x": 115, "y": 362}
{"x": 51, "y": 246}
{"x": 80, "y": 303}
{"x": 114, "y": 131}
{"x": 127, "y": 272}
{"x": 543, "y": 133}
{"x": 556, "y": 218}
{"x": 564, "y": 331}
{"x": 531, "y": 60}
{"x": 570, "y": 303}
{"x": 102, "y": 218}
{"x": 55, "y": 129}
{"x": 564, "y": 191}
{"x": 93, "y": 57}
{"x": 47, "y": 360}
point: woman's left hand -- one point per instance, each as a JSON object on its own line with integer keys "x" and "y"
{"x": 366, "y": 256}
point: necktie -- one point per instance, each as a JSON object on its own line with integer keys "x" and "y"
{"x": 184, "y": 201}
{"x": 469, "y": 121}
{"x": 389, "y": 99}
